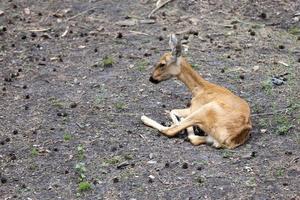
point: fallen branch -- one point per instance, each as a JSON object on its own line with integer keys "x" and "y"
{"x": 80, "y": 13}
{"x": 269, "y": 113}
{"x": 40, "y": 30}
{"x": 158, "y": 7}
{"x": 138, "y": 33}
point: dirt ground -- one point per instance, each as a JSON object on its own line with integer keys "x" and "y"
{"x": 74, "y": 84}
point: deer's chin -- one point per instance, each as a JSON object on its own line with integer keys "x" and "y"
{"x": 152, "y": 80}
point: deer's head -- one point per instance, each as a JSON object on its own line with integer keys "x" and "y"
{"x": 169, "y": 64}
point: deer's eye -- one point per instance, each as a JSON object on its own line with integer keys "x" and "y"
{"x": 161, "y": 65}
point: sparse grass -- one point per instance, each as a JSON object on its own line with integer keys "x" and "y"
{"x": 226, "y": 153}
{"x": 67, "y": 137}
{"x": 120, "y": 106}
{"x": 128, "y": 157}
{"x": 200, "y": 180}
{"x": 141, "y": 66}
{"x": 283, "y": 125}
{"x": 113, "y": 160}
{"x": 34, "y": 151}
{"x": 267, "y": 86}
{"x": 294, "y": 30}
{"x": 84, "y": 186}
{"x": 195, "y": 66}
{"x": 80, "y": 152}
{"x": 263, "y": 122}
{"x": 107, "y": 62}
{"x": 116, "y": 159}
{"x": 251, "y": 182}
{"x": 279, "y": 172}
{"x": 80, "y": 169}
{"x": 56, "y": 102}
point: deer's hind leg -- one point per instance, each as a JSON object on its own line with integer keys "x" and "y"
{"x": 168, "y": 131}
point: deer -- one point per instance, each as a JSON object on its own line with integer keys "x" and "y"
{"x": 223, "y": 116}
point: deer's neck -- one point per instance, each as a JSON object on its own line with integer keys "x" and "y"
{"x": 190, "y": 77}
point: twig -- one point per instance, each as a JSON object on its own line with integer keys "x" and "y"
{"x": 269, "y": 113}
{"x": 80, "y": 13}
{"x": 65, "y": 33}
{"x": 158, "y": 7}
{"x": 139, "y": 33}
{"x": 40, "y": 30}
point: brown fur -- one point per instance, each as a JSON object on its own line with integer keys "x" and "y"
{"x": 223, "y": 116}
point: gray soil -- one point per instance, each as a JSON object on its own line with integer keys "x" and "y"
{"x": 74, "y": 84}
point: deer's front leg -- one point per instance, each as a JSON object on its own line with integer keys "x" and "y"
{"x": 181, "y": 113}
{"x": 150, "y": 122}
{"x": 168, "y": 131}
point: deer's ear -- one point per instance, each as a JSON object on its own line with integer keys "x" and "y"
{"x": 173, "y": 42}
{"x": 175, "y": 46}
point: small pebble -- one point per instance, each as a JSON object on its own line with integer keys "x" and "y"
{"x": 263, "y": 15}
{"x": 151, "y": 178}
{"x": 119, "y": 35}
{"x": 185, "y": 165}
{"x": 12, "y": 156}
{"x": 73, "y": 105}
{"x": 3, "y": 180}
{"x": 115, "y": 180}
{"x": 33, "y": 34}
{"x": 277, "y": 81}
{"x": 7, "y": 79}
{"x": 288, "y": 153}
{"x": 167, "y": 165}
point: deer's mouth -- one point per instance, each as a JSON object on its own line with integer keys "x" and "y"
{"x": 152, "y": 80}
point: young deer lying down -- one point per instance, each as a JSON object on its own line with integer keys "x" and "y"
{"x": 223, "y": 116}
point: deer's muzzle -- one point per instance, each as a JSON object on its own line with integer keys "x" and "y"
{"x": 152, "y": 80}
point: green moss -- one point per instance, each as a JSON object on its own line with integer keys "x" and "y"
{"x": 34, "y": 151}
{"x": 84, "y": 186}
{"x": 113, "y": 160}
{"x": 283, "y": 125}
{"x": 67, "y": 137}
{"x": 294, "y": 30}
{"x": 267, "y": 86}
{"x": 107, "y": 62}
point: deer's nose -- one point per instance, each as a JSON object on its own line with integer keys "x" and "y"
{"x": 152, "y": 80}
